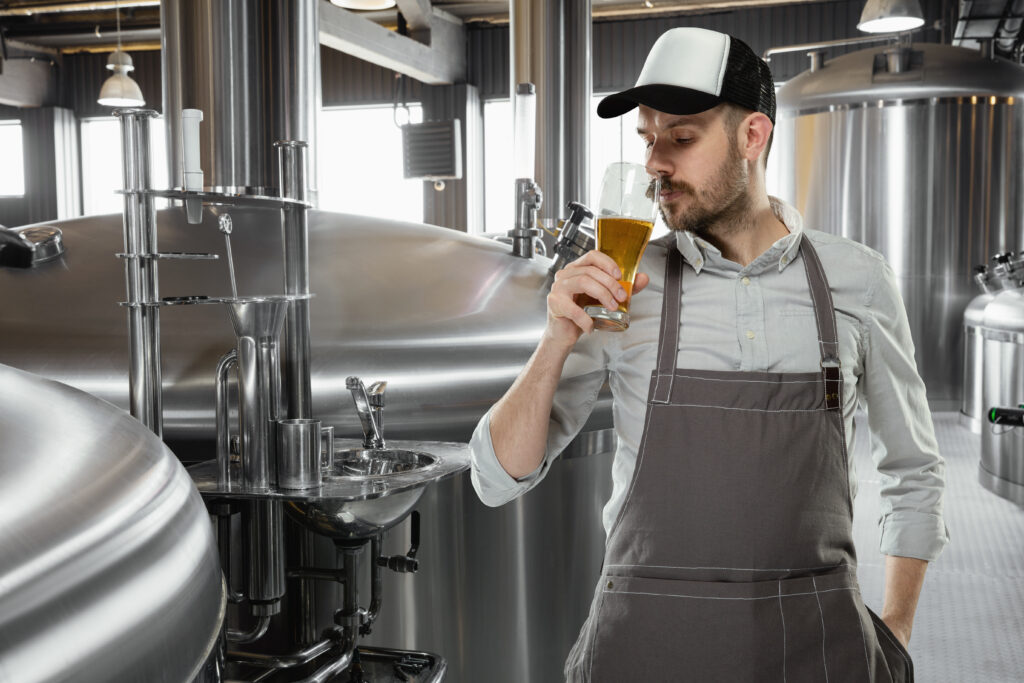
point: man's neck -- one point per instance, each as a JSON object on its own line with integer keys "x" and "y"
{"x": 743, "y": 238}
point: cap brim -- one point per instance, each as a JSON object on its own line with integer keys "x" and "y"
{"x": 670, "y": 99}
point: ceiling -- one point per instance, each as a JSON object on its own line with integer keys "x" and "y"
{"x": 75, "y": 25}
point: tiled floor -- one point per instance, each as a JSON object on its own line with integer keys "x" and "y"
{"x": 970, "y": 620}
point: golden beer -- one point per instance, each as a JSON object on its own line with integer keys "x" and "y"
{"x": 624, "y": 239}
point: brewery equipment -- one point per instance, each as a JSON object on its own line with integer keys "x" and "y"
{"x": 1005, "y": 272}
{"x": 916, "y": 152}
{"x": 1001, "y": 469}
{"x": 109, "y": 569}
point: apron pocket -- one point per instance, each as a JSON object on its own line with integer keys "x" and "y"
{"x": 896, "y": 656}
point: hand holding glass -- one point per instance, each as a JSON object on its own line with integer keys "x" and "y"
{"x": 625, "y": 220}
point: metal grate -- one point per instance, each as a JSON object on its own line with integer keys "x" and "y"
{"x": 433, "y": 150}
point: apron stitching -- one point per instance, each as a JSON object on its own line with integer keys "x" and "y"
{"x": 782, "y": 615}
{"x": 716, "y": 597}
{"x": 753, "y": 381}
{"x": 749, "y": 410}
{"x": 821, "y": 614}
{"x": 864, "y": 642}
{"x": 739, "y": 569}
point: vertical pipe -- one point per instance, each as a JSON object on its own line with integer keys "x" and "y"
{"x": 579, "y": 88}
{"x": 141, "y": 277}
{"x": 291, "y": 157}
{"x": 266, "y": 557}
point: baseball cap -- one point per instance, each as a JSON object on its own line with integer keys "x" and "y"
{"x": 690, "y": 70}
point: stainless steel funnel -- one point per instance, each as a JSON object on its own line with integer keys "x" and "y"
{"x": 257, "y": 322}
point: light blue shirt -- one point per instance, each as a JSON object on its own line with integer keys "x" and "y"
{"x": 760, "y": 318}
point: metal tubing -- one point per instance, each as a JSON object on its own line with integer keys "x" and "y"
{"x": 348, "y": 617}
{"x": 861, "y": 40}
{"x": 376, "y": 586}
{"x": 336, "y": 666}
{"x": 579, "y": 91}
{"x": 266, "y": 556}
{"x": 227, "y": 361}
{"x": 141, "y": 277}
{"x": 252, "y": 635}
{"x": 291, "y": 157}
{"x": 283, "y": 661}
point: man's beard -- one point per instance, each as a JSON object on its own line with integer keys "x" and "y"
{"x": 722, "y": 201}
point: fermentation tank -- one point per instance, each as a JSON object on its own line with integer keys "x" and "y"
{"x": 108, "y": 568}
{"x": 1002, "y": 448}
{"x": 447, "y": 319}
{"x": 916, "y": 152}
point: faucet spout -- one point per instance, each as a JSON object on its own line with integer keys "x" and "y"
{"x": 369, "y": 406}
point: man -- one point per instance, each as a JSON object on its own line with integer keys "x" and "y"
{"x": 730, "y": 554}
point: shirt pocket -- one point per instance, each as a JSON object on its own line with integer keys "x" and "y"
{"x": 793, "y": 342}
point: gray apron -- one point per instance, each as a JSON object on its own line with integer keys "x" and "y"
{"x": 732, "y": 556}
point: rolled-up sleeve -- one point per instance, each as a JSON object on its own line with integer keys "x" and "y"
{"x": 582, "y": 377}
{"x": 903, "y": 441}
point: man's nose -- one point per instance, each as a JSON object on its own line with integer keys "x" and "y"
{"x": 658, "y": 163}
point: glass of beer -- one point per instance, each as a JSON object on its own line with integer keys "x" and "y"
{"x": 625, "y": 219}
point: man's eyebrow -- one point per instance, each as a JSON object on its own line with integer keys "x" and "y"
{"x": 680, "y": 121}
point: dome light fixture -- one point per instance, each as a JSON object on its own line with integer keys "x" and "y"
{"x": 120, "y": 90}
{"x": 364, "y": 5}
{"x": 890, "y": 16}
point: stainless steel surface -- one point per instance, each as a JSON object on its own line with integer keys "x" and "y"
{"x": 251, "y": 68}
{"x": 109, "y": 568}
{"x": 141, "y": 276}
{"x": 529, "y": 200}
{"x": 815, "y": 48}
{"x": 370, "y": 416}
{"x": 372, "y": 462}
{"x": 973, "y": 407}
{"x": 265, "y": 561}
{"x": 47, "y": 241}
{"x": 292, "y": 159}
{"x": 257, "y": 322}
{"x": 298, "y": 453}
{"x": 920, "y": 166}
{"x": 227, "y": 363}
{"x": 1002, "y": 449}
{"x": 448, "y": 320}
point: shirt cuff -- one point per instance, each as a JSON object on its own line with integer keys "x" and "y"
{"x": 908, "y": 533}
{"x": 492, "y": 483}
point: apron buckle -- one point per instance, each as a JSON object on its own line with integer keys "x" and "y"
{"x": 832, "y": 374}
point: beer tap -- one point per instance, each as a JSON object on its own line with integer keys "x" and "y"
{"x": 573, "y": 240}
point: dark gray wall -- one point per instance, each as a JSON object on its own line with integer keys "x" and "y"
{"x": 47, "y": 190}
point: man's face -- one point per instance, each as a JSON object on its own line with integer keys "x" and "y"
{"x": 704, "y": 178}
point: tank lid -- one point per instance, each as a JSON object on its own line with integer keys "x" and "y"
{"x": 1006, "y": 311}
{"x": 47, "y": 240}
{"x": 931, "y": 70}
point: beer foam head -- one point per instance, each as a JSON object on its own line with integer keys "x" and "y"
{"x": 690, "y": 70}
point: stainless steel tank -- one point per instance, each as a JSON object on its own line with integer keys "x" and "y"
{"x": 1005, "y": 272}
{"x": 109, "y": 570}
{"x": 1002, "y": 449}
{"x": 919, "y": 155}
{"x": 447, "y": 319}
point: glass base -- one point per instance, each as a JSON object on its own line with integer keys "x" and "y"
{"x": 615, "y": 321}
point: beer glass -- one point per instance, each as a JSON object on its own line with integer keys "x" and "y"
{"x": 625, "y": 219}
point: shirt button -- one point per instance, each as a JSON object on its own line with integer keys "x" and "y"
{"x": 750, "y": 334}
{"x": 745, "y": 281}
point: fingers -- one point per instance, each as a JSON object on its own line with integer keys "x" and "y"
{"x": 641, "y": 281}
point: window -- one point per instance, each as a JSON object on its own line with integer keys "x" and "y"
{"x": 101, "y": 163}
{"x": 12, "y": 170}
{"x": 359, "y": 154}
{"x": 611, "y": 140}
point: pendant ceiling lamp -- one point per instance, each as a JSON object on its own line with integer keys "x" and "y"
{"x": 364, "y": 4}
{"x": 120, "y": 90}
{"x": 890, "y": 16}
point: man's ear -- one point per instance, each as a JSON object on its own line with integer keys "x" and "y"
{"x": 754, "y": 132}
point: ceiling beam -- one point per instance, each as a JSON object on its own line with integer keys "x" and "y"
{"x": 441, "y": 62}
{"x": 417, "y": 13}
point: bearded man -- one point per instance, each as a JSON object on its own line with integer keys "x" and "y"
{"x": 729, "y": 553}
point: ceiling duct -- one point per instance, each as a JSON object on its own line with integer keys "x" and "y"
{"x": 991, "y": 20}
{"x": 252, "y": 67}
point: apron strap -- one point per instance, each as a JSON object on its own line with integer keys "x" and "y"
{"x": 828, "y": 332}
{"x": 824, "y": 314}
{"x": 668, "y": 337}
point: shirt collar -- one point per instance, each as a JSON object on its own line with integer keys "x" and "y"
{"x": 697, "y": 251}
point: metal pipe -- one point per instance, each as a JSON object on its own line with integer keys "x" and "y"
{"x": 291, "y": 164}
{"x": 329, "y": 670}
{"x": 68, "y": 7}
{"x": 266, "y": 556}
{"x": 579, "y": 90}
{"x": 224, "y": 365}
{"x": 376, "y": 587}
{"x": 141, "y": 276}
{"x": 860, "y": 40}
{"x": 283, "y": 661}
{"x": 252, "y": 635}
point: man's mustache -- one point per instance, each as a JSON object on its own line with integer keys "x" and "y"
{"x": 668, "y": 185}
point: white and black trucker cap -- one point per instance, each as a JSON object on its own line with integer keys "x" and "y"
{"x": 690, "y": 70}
